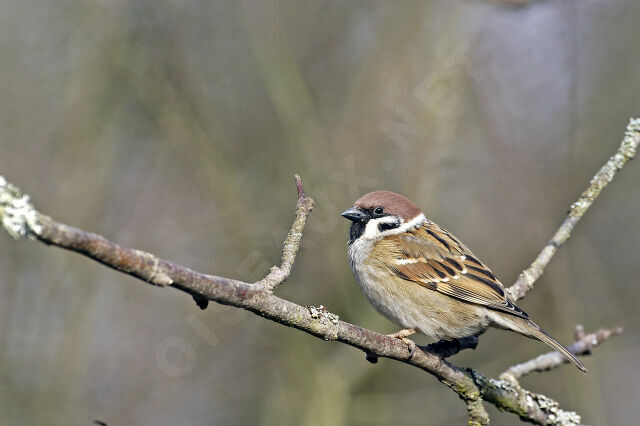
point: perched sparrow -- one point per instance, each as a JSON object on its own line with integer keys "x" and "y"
{"x": 423, "y": 278}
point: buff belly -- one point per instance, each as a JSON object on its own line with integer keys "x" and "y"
{"x": 437, "y": 316}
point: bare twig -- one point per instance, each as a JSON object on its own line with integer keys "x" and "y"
{"x": 551, "y": 360}
{"x": 279, "y": 274}
{"x": 625, "y": 152}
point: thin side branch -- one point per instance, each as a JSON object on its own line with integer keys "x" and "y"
{"x": 545, "y": 362}
{"x": 605, "y": 175}
{"x": 279, "y": 274}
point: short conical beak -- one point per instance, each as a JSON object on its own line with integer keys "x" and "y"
{"x": 354, "y": 215}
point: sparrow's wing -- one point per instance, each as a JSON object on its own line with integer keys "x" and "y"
{"x": 433, "y": 258}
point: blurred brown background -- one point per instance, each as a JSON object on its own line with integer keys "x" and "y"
{"x": 176, "y": 127}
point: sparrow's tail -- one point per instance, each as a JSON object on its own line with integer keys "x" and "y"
{"x": 540, "y": 334}
{"x": 530, "y": 329}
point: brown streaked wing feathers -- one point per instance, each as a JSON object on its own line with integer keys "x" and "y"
{"x": 442, "y": 263}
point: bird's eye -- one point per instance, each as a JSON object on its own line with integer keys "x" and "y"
{"x": 378, "y": 211}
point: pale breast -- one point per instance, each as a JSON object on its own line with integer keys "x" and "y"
{"x": 410, "y": 305}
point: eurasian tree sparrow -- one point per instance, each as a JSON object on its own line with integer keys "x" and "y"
{"x": 423, "y": 278}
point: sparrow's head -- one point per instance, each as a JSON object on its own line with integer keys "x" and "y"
{"x": 381, "y": 213}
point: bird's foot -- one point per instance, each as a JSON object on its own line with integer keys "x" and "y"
{"x": 403, "y": 335}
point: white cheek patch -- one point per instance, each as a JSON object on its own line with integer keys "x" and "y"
{"x": 411, "y": 224}
{"x": 372, "y": 231}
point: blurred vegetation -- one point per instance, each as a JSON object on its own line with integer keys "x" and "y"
{"x": 176, "y": 127}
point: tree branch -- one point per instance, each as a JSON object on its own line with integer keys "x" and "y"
{"x": 545, "y": 362}
{"x": 279, "y": 274}
{"x": 21, "y": 219}
{"x": 605, "y": 175}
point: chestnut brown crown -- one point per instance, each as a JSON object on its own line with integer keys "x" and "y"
{"x": 392, "y": 203}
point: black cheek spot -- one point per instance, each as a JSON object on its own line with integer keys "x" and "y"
{"x": 385, "y": 226}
